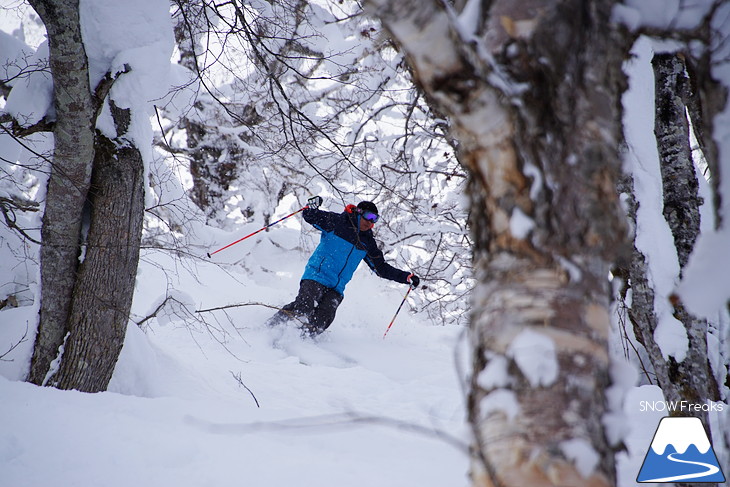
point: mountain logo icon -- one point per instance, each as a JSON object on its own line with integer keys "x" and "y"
{"x": 680, "y": 452}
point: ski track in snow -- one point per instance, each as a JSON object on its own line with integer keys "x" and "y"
{"x": 711, "y": 469}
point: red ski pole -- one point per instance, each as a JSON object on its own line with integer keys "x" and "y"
{"x": 396, "y": 313}
{"x": 257, "y": 231}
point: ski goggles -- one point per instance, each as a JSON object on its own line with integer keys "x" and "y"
{"x": 370, "y": 216}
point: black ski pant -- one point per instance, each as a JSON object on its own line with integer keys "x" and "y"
{"x": 315, "y": 306}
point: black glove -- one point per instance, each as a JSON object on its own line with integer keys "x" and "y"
{"x": 414, "y": 280}
{"x": 314, "y": 202}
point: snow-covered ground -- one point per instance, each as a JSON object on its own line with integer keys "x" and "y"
{"x": 223, "y": 400}
{"x": 351, "y": 408}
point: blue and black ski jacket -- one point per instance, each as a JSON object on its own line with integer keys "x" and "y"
{"x": 341, "y": 248}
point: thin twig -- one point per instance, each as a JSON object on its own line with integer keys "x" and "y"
{"x": 240, "y": 383}
{"x": 239, "y": 305}
{"x": 16, "y": 345}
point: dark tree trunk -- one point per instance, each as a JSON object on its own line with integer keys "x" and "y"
{"x": 707, "y": 98}
{"x": 106, "y": 278}
{"x": 679, "y": 178}
{"x": 689, "y": 379}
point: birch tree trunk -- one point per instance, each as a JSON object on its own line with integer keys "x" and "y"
{"x": 70, "y": 177}
{"x": 533, "y": 102}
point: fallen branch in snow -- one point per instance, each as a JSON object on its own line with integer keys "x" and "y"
{"x": 219, "y": 308}
{"x": 240, "y": 383}
{"x": 239, "y": 305}
{"x": 161, "y": 307}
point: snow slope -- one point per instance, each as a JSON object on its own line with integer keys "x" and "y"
{"x": 214, "y": 402}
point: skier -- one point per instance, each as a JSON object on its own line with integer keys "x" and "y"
{"x": 346, "y": 239}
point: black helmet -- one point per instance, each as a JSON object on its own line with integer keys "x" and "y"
{"x": 367, "y": 206}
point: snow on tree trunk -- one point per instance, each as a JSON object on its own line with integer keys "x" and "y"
{"x": 69, "y": 181}
{"x": 684, "y": 375}
{"x": 531, "y": 90}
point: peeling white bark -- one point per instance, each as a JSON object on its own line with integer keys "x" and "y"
{"x": 537, "y": 126}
